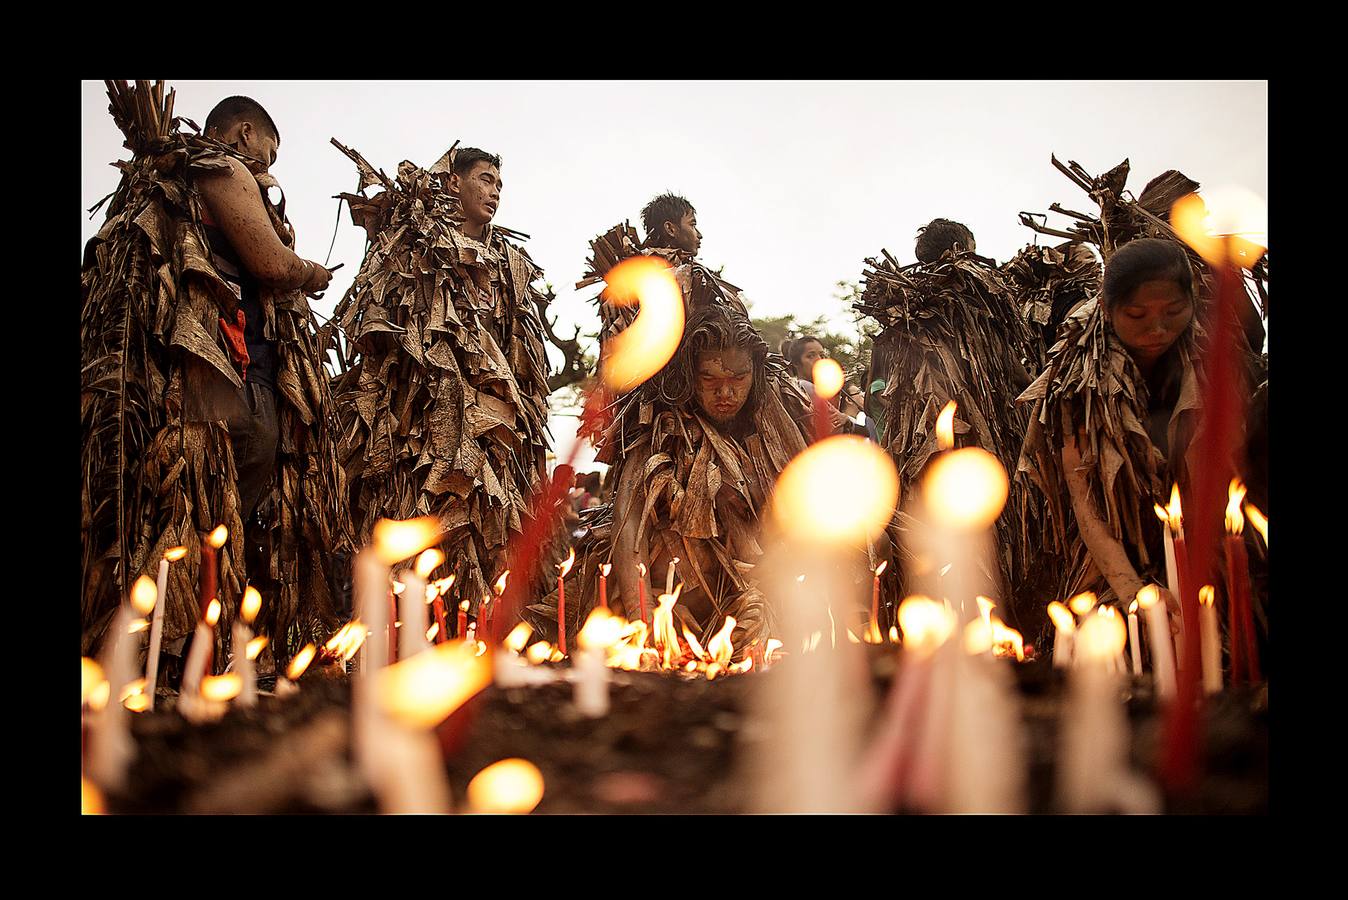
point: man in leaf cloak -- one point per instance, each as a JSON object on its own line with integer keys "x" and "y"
{"x": 203, "y": 395}
{"x": 694, "y": 451}
{"x": 443, "y": 404}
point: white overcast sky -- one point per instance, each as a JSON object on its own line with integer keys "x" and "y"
{"x": 795, "y": 183}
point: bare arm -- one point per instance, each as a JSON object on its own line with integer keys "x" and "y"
{"x": 236, "y": 206}
{"x": 1108, "y": 553}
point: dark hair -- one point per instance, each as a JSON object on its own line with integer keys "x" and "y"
{"x": 232, "y": 110}
{"x": 668, "y": 207}
{"x": 716, "y": 326}
{"x": 1143, "y": 260}
{"x": 796, "y": 352}
{"x": 591, "y": 482}
{"x": 940, "y": 235}
{"x": 467, "y": 157}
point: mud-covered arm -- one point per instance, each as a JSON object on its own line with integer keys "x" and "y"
{"x": 236, "y": 207}
{"x": 1109, "y": 554}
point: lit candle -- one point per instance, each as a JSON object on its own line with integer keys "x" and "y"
{"x": 285, "y": 685}
{"x": 1240, "y": 614}
{"x": 1062, "y": 638}
{"x": 441, "y": 628}
{"x": 412, "y": 613}
{"x": 1134, "y": 644}
{"x": 198, "y": 657}
{"x": 875, "y": 603}
{"x": 669, "y": 576}
{"x": 1158, "y": 635}
{"x": 242, "y": 635}
{"x": 157, "y": 623}
{"x": 641, "y": 590}
{"x": 111, "y": 747}
{"x": 1212, "y": 648}
{"x": 590, "y": 694}
{"x": 603, "y": 584}
{"x": 206, "y": 581}
{"x": 562, "y": 568}
{"x": 462, "y": 633}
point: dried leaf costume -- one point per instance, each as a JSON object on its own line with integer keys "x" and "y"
{"x": 952, "y": 330}
{"x": 682, "y": 485}
{"x": 1050, "y": 283}
{"x": 443, "y": 406}
{"x": 1093, "y": 389}
{"x": 158, "y": 380}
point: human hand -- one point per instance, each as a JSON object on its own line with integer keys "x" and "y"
{"x": 318, "y": 280}
{"x": 836, "y": 418}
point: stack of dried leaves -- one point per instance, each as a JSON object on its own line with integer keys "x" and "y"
{"x": 683, "y": 487}
{"x": 952, "y": 330}
{"x": 1093, "y": 389}
{"x": 443, "y": 401}
{"x": 1050, "y": 283}
{"x": 156, "y": 383}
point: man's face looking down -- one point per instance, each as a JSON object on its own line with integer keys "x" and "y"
{"x": 724, "y": 379}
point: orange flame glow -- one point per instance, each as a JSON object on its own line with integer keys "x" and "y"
{"x": 641, "y": 569}
{"x": 605, "y": 568}
{"x": 432, "y": 631}
{"x": 880, "y": 569}
{"x": 695, "y": 645}
{"x": 1232, "y": 224}
{"x": 132, "y": 689}
{"x": 511, "y": 786}
{"x": 173, "y": 554}
{"x": 500, "y": 585}
{"x": 965, "y": 489}
{"x": 91, "y": 676}
{"x": 143, "y": 595}
{"x": 221, "y": 687}
{"x": 858, "y": 477}
{"x": 91, "y": 798}
{"x": 601, "y": 630}
{"x": 945, "y": 427}
{"x": 218, "y": 537}
{"x": 1062, "y": 617}
{"x": 518, "y": 637}
{"x": 1173, "y": 511}
{"x": 565, "y": 565}
{"x": 1007, "y": 641}
{"x": 719, "y": 647}
{"x": 212, "y": 613}
{"x": 1258, "y": 520}
{"x": 255, "y": 646}
{"x": 301, "y": 662}
{"x": 1235, "y": 520}
{"x": 348, "y": 639}
{"x": 1132, "y": 607}
{"x": 771, "y": 647}
{"x": 665, "y": 637}
{"x": 977, "y": 637}
{"x": 252, "y": 603}
{"x": 1100, "y": 638}
{"x": 422, "y": 690}
{"x": 643, "y": 348}
{"x": 137, "y": 625}
{"x": 1149, "y": 596}
{"x": 426, "y": 562}
{"x": 396, "y": 540}
{"x": 538, "y": 653}
{"x": 137, "y": 703}
{"x": 1083, "y": 603}
{"x": 1207, "y": 595}
{"x": 828, "y": 378}
{"x": 925, "y": 623}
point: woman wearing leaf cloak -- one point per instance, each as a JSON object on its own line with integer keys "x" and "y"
{"x": 694, "y": 453}
{"x": 443, "y": 406}
{"x": 164, "y": 369}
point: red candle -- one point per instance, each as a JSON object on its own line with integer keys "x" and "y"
{"x": 562, "y": 568}
{"x": 1182, "y": 575}
{"x": 392, "y": 627}
{"x": 206, "y": 581}
{"x": 603, "y": 584}
{"x": 462, "y": 631}
{"x": 1240, "y": 619}
{"x": 875, "y": 602}
{"x": 441, "y": 633}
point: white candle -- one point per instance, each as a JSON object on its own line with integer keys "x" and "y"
{"x": 1134, "y": 644}
{"x": 590, "y": 693}
{"x": 1094, "y": 733}
{"x": 669, "y": 577}
{"x": 1212, "y": 648}
{"x": 412, "y": 613}
{"x": 110, "y": 746}
{"x": 1158, "y": 635}
{"x": 240, "y": 636}
{"x": 1065, "y": 627}
{"x": 203, "y": 640}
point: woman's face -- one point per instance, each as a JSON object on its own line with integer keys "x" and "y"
{"x": 814, "y": 351}
{"x": 1152, "y": 318}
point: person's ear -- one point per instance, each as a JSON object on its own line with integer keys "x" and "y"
{"x": 670, "y": 228}
{"x": 245, "y": 134}
{"x": 453, "y": 185}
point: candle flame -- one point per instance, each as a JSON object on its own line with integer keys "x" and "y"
{"x": 1207, "y": 595}
{"x": 643, "y": 348}
{"x": 1174, "y": 513}
{"x": 500, "y": 585}
{"x": 511, "y": 786}
{"x": 1083, "y": 603}
{"x": 398, "y": 587}
{"x": 173, "y": 554}
{"x": 518, "y": 636}
{"x": 218, "y": 537}
{"x": 985, "y": 607}
{"x": 695, "y": 645}
{"x": 444, "y": 584}
{"x": 91, "y": 676}
{"x": 1132, "y": 607}
{"x": 1231, "y": 225}
{"x": 772, "y": 646}
{"x": 1007, "y": 641}
{"x": 426, "y": 562}
{"x": 137, "y": 625}
{"x": 422, "y": 690}
{"x": 432, "y": 631}
{"x": 665, "y": 637}
{"x": 828, "y": 378}
{"x": 131, "y": 689}
{"x": 977, "y": 637}
{"x": 926, "y": 624}
{"x": 601, "y": 630}
{"x": 252, "y": 603}
{"x": 1062, "y": 617}
{"x": 91, "y": 798}
{"x": 893, "y": 634}
{"x": 858, "y": 477}
{"x": 221, "y": 688}
{"x": 1258, "y": 520}
{"x": 212, "y": 612}
{"x": 880, "y": 569}
{"x": 1235, "y": 520}
{"x": 1161, "y": 512}
{"x": 137, "y": 703}
{"x": 1101, "y": 638}
{"x": 1149, "y": 596}
{"x": 641, "y": 569}
{"x": 301, "y": 662}
{"x": 538, "y": 653}
{"x": 463, "y": 605}
{"x": 255, "y": 646}
{"x": 348, "y": 639}
{"x": 143, "y": 595}
{"x": 719, "y": 647}
{"x": 945, "y": 427}
{"x": 565, "y": 565}
{"x": 605, "y": 568}
{"x": 966, "y": 489}
{"x": 396, "y": 540}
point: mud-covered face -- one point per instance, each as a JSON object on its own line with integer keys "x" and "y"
{"x": 258, "y": 142}
{"x": 479, "y": 191}
{"x": 1152, "y": 318}
{"x": 724, "y": 380}
{"x": 685, "y": 235}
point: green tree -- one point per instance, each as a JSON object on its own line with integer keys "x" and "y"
{"x": 852, "y": 350}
